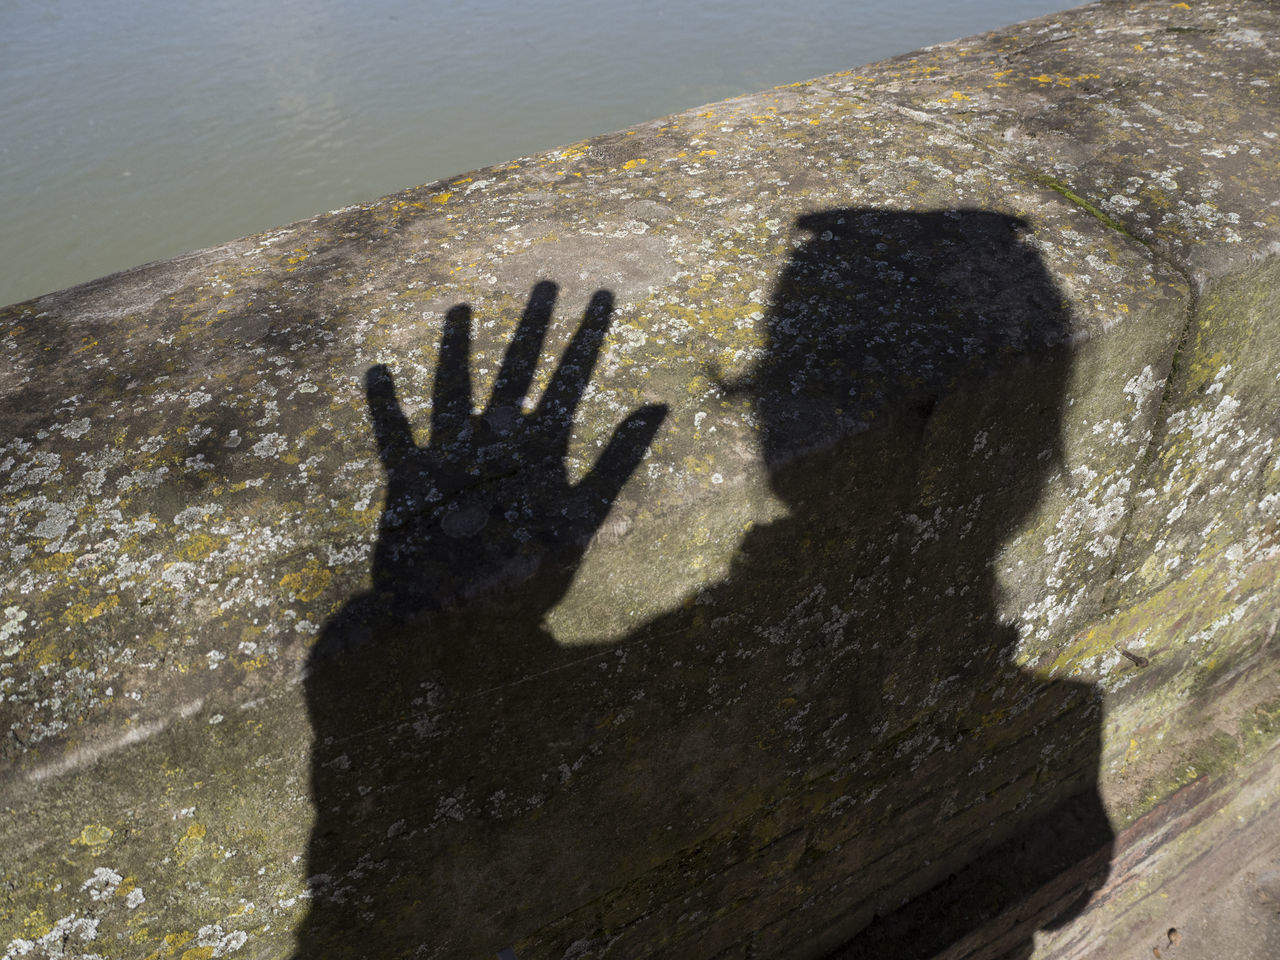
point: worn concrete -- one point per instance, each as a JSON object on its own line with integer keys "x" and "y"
{"x": 866, "y": 548}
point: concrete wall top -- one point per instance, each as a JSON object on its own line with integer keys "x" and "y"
{"x": 214, "y": 472}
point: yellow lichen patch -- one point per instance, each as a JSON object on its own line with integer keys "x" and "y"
{"x": 442, "y": 198}
{"x": 955, "y": 95}
{"x": 191, "y": 842}
{"x": 94, "y": 835}
{"x": 574, "y": 152}
{"x": 308, "y": 583}
{"x": 199, "y": 546}
{"x": 257, "y": 663}
{"x": 52, "y": 563}
{"x": 83, "y": 612}
{"x": 197, "y": 953}
{"x": 632, "y": 164}
{"x": 1063, "y": 80}
{"x": 36, "y": 924}
{"x": 173, "y": 942}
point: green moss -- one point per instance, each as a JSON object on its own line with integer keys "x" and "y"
{"x": 1061, "y": 188}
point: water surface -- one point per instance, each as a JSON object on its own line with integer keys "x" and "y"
{"x": 141, "y": 130}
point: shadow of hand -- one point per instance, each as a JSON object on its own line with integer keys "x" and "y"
{"x": 487, "y": 502}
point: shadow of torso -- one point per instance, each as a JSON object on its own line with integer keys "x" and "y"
{"x": 832, "y": 751}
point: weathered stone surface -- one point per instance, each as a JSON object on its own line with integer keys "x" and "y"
{"x": 884, "y": 546}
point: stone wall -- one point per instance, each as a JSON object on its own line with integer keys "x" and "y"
{"x": 837, "y": 521}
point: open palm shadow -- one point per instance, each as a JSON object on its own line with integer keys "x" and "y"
{"x": 832, "y": 751}
{"x": 480, "y": 536}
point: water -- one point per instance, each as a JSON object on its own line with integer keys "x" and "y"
{"x": 135, "y": 131}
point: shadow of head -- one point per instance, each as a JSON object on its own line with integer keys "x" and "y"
{"x": 941, "y": 329}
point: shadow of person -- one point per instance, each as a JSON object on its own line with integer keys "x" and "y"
{"x": 830, "y": 752}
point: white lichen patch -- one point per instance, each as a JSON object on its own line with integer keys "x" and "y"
{"x": 272, "y": 445}
{"x": 66, "y": 940}
{"x": 223, "y": 942}
{"x": 102, "y": 885}
{"x": 10, "y": 627}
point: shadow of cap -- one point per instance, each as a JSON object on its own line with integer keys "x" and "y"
{"x": 882, "y": 313}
